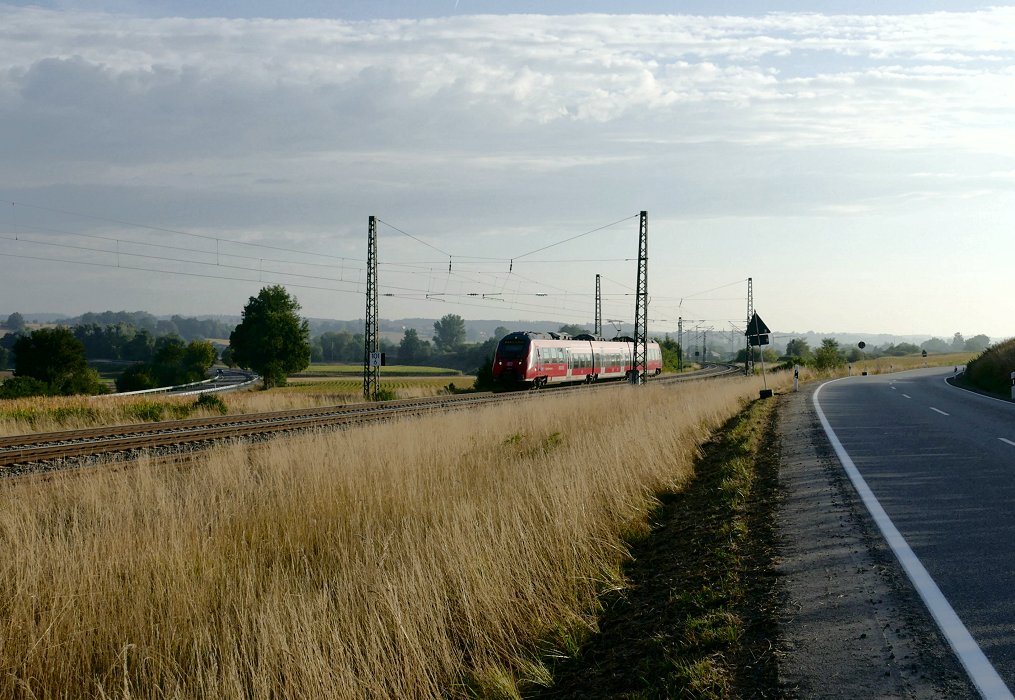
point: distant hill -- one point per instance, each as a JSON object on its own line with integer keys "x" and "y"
{"x": 477, "y": 330}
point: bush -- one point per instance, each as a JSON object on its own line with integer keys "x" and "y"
{"x": 484, "y": 376}
{"x": 385, "y": 394}
{"x": 63, "y": 414}
{"x": 991, "y": 370}
{"x": 136, "y": 378}
{"x": 147, "y": 411}
{"x": 23, "y": 387}
{"x": 211, "y": 402}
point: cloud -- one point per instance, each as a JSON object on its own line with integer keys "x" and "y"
{"x": 492, "y": 123}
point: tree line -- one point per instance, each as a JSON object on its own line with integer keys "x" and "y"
{"x": 271, "y": 339}
{"x": 829, "y": 354}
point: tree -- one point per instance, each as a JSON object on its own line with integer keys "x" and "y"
{"x": 798, "y": 347}
{"x": 978, "y": 343}
{"x": 22, "y": 387}
{"x": 56, "y": 358}
{"x": 449, "y": 332}
{"x": 174, "y": 363}
{"x": 499, "y": 332}
{"x": 900, "y": 350}
{"x": 412, "y": 350}
{"x": 958, "y": 343}
{"x": 272, "y": 339}
{"x": 198, "y": 358}
{"x": 670, "y": 349}
{"x": 572, "y": 329}
{"x": 827, "y": 356}
{"x": 935, "y": 345}
{"x": 15, "y": 322}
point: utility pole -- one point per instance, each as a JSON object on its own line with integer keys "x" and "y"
{"x": 371, "y": 351}
{"x": 599, "y": 309}
{"x": 641, "y": 304}
{"x": 749, "y": 359}
{"x": 680, "y": 343}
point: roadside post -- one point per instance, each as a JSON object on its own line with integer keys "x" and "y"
{"x": 796, "y": 378}
{"x": 1013, "y": 386}
{"x": 757, "y": 335}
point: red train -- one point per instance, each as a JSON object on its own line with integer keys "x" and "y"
{"x": 538, "y": 359}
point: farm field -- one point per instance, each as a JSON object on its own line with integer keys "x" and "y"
{"x": 46, "y": 414}
{"x": 884, "y": 365}
{"x": 444, "y": 556}
{"x": 316, "y": 370}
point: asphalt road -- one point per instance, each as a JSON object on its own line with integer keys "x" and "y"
{"x": 940, "y": 461}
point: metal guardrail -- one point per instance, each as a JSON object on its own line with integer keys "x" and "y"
{"x": 251, "y": 379}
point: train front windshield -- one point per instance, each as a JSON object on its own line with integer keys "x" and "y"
{"x": 512, "y": 349}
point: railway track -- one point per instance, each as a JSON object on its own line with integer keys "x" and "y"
{"x": 43, "y": 452}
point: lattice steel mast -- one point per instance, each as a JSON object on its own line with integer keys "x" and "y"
{"x": 680, "y": 343}
{"x": 749, "y": 359}
{"x": 599, "y": 310}
{"x": 641, "y": 304}
{"x": 371, "y": 363}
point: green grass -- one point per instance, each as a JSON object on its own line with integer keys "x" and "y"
{"x": 354, "y": 386}
{"x": 682, "y": 626}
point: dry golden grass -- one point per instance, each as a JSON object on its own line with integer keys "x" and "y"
{"x": 427, "y": 558}
{"x": 884, "y": 365}
{"x": 45, "y": 414}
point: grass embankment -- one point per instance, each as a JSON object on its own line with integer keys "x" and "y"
{"x": 436, "y": 557}
{"x": 692, "y": 621}
{"x": 991, "y": 370}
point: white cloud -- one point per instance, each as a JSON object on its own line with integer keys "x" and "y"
{"x": 249, "y": 127}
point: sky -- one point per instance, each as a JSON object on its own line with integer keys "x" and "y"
{"x": 176, "y": 156}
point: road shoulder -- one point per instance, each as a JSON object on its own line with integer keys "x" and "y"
{"x": 850, "y": 624}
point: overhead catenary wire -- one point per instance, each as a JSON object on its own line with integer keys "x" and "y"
{"x": 573, "y": 237}
{"x": 163, "y": 229}
{"x": 467, "y": 283}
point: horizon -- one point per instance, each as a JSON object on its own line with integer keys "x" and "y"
{"x": 782, "y": 335}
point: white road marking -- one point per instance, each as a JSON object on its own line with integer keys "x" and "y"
{"x": 1008, "y": 441}
{"x": 981, "y": 672}
{"x": 906, "y": 396}
{"x": 939, "y": 411}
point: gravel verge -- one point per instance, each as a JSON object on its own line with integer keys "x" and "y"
{"x": 850, "y": 623}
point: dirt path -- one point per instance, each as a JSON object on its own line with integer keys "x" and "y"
{"x": 851, "y": 625}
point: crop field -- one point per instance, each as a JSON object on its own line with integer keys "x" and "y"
{"x": 883, "y": 365}
{"x": 44, "y": 414}
{"x": 316, "y": 370}
{"x": 404, "y": 387}
{"x": 446, "y": 556}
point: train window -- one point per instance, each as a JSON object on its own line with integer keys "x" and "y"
{"x": 512, "y": 349}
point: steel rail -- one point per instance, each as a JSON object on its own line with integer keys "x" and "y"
{"x": 39, "y": 448}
